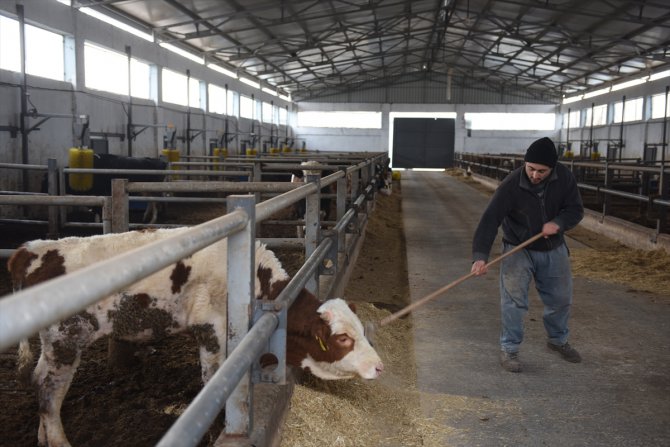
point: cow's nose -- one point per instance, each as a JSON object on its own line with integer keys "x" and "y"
{"x": 379, "y": 368}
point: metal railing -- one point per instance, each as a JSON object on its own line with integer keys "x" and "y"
{"x": 594, "y": 176}
{"x": 28, "y": 311}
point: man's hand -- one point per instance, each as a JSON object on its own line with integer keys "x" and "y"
{"x": 549, "y": 229}
{"x": 479, "y": 268}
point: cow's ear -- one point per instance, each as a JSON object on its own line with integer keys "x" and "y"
{"x": 352, "y": 306}
{"x": 327, "y": 315}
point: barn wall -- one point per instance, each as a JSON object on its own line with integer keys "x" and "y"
{"x": 107, "y": 112}
{"x": 635, "y": 134}
{"x": 329, "y": 139}
{"x": 413, "y": 93}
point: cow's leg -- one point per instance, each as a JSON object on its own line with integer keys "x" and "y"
{"x": 53, "y": 376}
{"x": 150, "y": 213}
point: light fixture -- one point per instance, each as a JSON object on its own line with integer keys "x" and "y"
{"x": 628, "y": 84}
{"x": 602, "y": 91}
{"x": 222, "y": 70}
{"x": 659, "y": 75}
{"x": 250, "y": 82}
{"x": 572, "y": 99}
{"x": 118, "y": 24}
{"x": 183, "y": 53}
{"x": 269, "y": 90}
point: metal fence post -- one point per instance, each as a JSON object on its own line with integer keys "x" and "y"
{"x": 120, "y": 210}
{"x": 62, "y": 190}
{"x": 341, "y": 204}
{"x": 355, "y": 185}
{"x": 52, "y": 185}
{"x": 107, "y": 216}
{"x": 312, "y": 228}
{"x": 257, "y": 176}
{"x": 241, "y": 282}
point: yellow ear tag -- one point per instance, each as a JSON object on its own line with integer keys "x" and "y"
{"x": 323, "y": 347}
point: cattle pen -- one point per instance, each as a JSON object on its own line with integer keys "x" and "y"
{"x": 328, "y": 253}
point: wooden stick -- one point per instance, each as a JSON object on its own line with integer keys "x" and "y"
{"x": 441, "y": 290}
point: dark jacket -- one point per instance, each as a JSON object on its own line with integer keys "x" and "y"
{"x": 522, "y": 213}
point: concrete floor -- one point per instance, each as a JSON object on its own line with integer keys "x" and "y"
{"x": 618, "y": 396}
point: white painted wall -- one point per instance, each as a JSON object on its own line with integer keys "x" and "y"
{"x": 107, "y": 112}
{"x": 634, "y": 134}
{"x": 329, "y": 139}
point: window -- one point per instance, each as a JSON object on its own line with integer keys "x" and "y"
{"x": 283, "y": 116}
{"x": 631, "y": 112}
{"x": 10, "y": 54}
{"x": 571, "y": 120}
{"x": 217, "y": 99}
{"x": 44, "y": 50}
{"x": 246, "y": 107}
{"x": 599, "y": 116}
{"x": 510, "y": 121}
{"x": 196, "y": 94}
{"x": 349, "y": 120}
{"x": 268, "y": 113}
{"x": 258, "y": 109}
{"x": 140, "y": 79}
{"x": 179, "y": 89}
{"x": 658, "y": 105}
{"x": 232, "y": 104}
{"x": 107, "y": 70}
{"x": 44, "y": 53}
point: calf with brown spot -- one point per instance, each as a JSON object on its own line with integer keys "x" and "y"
{"x": 325, "y": 338}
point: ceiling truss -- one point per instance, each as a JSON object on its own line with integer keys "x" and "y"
{"x": 311, "y": 47}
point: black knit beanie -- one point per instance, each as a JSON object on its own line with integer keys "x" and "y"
{"x": 542, "y": 152}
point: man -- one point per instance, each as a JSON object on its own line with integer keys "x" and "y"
{"x": 541, "y": 196}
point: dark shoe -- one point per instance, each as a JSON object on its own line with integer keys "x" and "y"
{"x": 567, "y": 352}
{"x": 510, "y": 361}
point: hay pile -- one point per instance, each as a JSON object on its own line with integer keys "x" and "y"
{"x": 358, "y": 413}
{"x": 610, "y": 261}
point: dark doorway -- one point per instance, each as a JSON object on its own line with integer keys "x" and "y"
{"x": 423, "y": 142}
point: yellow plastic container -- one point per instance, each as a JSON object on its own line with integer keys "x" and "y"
{"x": 274, "y": 150}
{"x": 221, "y": 152}
{"x": 287, "y": 150}
{"x": 568, "y": 155}
{"x": 80, "y": 158}
{"x": 395, "y": 175}
{"x": 595, "y": 155}
{"x": 172, "y": 155}
{"x": 252, "y": 152}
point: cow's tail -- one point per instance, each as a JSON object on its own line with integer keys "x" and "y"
{"x": 25, "y": 362}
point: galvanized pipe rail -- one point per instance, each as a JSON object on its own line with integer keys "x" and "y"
{"x": 662, "y": 170}
{"x": 194, "y": 422}
{"x": 49, "y": 200}
{"x": 24, "y": 167}
{"x": 167, "y": 172}
{"x": 25, "y": 313}
{"x": 28, "y": 311}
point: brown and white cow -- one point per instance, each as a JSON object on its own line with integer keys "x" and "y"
{"x": 325, "y": 338}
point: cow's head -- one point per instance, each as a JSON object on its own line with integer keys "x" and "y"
{"x": 334, "y": 346}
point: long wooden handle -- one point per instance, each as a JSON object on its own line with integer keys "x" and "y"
{"x": 443, "y": 289}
